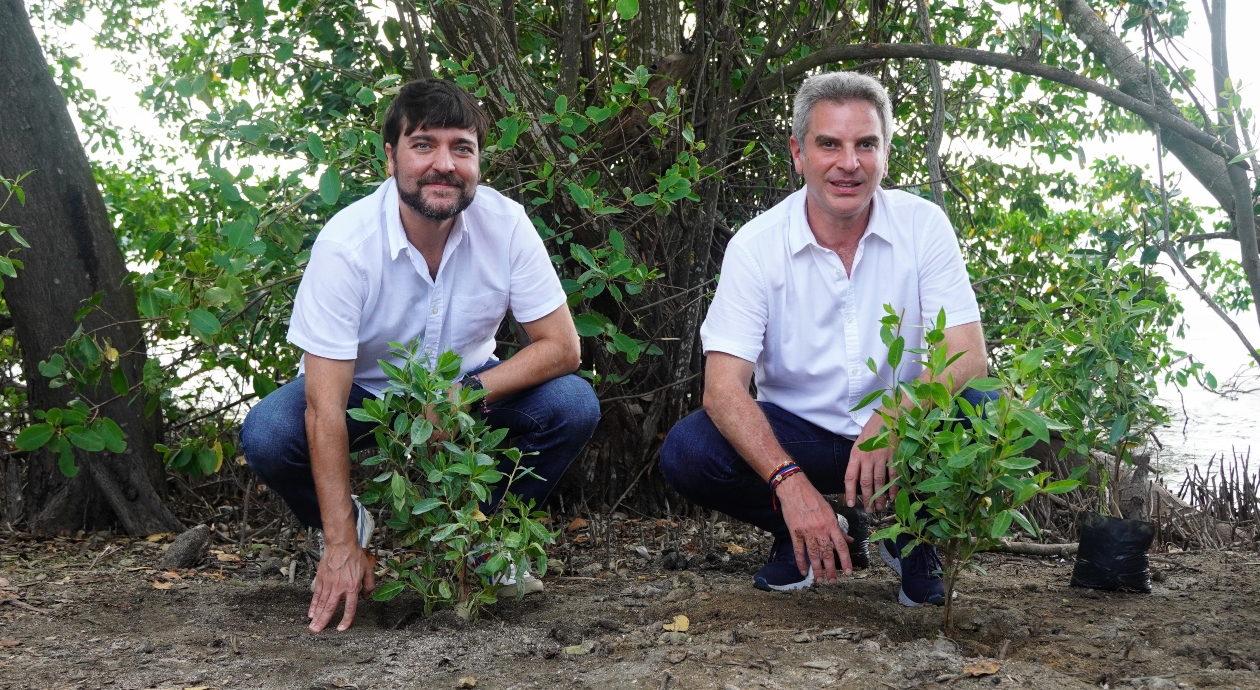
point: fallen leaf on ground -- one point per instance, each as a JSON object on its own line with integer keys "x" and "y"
{"x": 154, "y": 538}
{"x": 162, "y": 585}
{"x": 676, "y": 657}
{"x": 228, "y": 558}
{"x": 819, "y": 665}
{"x": 984, "y": 668}
{"x": 467, "y": 682}
{"x": 172, "y": 575}
{"x": 734, "y": 549}
{"x": 10, "y": 642}
{"x": 680, "y": 624}
{"x": 574, "y": 649}
{"x": 4, "y": 582}
{"x": 577, "y": 524}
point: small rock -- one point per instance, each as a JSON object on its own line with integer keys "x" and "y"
{"x": 729, "y": 686}
{"x": 576, "y": 650}
{"x": 146, "y": 646}
{"x": 467, "y": 682}
{"x": 943, "y": 645}
{"x": 802, "y": 638}
{"x": 672, "y": 638}
{"x": 643, "y": 552}
{"x": 591, "y": 570}
{"x": 1031, "y": 587}
{"x": 679, "y": 595}
{"x": 676, "y": 657}
{"x": 868, "y": 647}
{"x": 819, "y": 665}
{"x": 188, "y": 549}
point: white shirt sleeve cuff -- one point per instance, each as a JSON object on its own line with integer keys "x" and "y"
{"x": 545, "y": 309}
{"x": 323, "y": 349}
{"x": 744, "y": 352}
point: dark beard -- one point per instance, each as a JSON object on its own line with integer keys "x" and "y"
{"x": 417, "y": 203}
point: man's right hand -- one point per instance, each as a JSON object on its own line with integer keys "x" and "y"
{"x": 344, "y": 571}
{"x": 816, "y": 535}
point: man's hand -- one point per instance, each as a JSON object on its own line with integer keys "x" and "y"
{"x": 870, "y": 470}
{"x": 343, "y": 572}
{"x": 815, "y": 531}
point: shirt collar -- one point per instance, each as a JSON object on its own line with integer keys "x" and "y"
{"x": 393, "y": 222}
{"x": 800, "y": 236}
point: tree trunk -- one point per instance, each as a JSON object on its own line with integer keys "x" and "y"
{"x": 73, "y": 255}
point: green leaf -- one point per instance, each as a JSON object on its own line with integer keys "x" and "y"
{"x": 53, "y": 367}
{"x": 627, "y": 9}
{"x": 330, "y": 186}
{"x": 589, "y": 324}
{"x": 1001, "y": 525}
{"x": 894, "y": 352}
{"x": 85, "y": 438}
{"x": 239, "y": 233}
{"x": 111, "y": 433}
{"x": 204, "y": 322}
{"x": 1149, "y": 255}
{"x": 118, "y": 381}
{"x": 1018, "y": 464}
{"x": 1034, "y": 423}
{"x": 66, "y": 463}
{"x": 1061, "y": 487}
{"x": 934, "y": 484}
{"x": 425, "y": 505}
{"x": 388, "y": 591}
{"x": 34, "y": 437}
{"x": 1119, "y": 429}
{"x": 316, "y": 147}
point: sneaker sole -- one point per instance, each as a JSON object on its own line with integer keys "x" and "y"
{"x": 803, "y": 584}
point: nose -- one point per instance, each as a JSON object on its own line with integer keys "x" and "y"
{"x": 847, "y": 160}
{"x": 444, "y": 161}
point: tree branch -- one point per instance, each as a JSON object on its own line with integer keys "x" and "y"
{"x": 1198, "y": 289}
{"x": 890, "y": 51}
{"x": 937, "y": 127}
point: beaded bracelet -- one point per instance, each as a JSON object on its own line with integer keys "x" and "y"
{"x": 786, "y": 470}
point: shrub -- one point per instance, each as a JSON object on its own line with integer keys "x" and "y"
{"x": 439, "y": 469}
{"x": 962, "y": 475}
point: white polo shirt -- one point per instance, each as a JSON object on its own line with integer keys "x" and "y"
{"x": 367, "y": 286}
{"x": 786, "y": 304}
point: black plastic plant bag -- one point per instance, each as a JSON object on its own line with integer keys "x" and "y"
{"x": 1113, "y": 553}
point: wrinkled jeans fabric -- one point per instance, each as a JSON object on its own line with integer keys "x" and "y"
{"x": 704, "y": 468}
{"x": 554, "y": 419}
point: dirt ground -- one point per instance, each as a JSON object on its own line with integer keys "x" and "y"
{"x": 94, "y": 611}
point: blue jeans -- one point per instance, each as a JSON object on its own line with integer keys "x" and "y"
{"x": 554, "y": 419}
{"x": 704, "y": 468}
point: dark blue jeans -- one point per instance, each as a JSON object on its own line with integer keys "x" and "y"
{"x": 554, "y": 419}
{"x": 704, "y": 468}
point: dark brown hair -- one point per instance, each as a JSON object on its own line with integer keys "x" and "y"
{"x": 432, "y": 103}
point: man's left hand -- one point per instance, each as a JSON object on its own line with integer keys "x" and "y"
{"x": 869, "y": 470}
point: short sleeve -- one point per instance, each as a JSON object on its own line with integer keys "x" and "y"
{"x": 329, "y": 304}
{"x": 737, "y": 319}
{"x": 535, "y": 288}
{"x": 943, "y": 280}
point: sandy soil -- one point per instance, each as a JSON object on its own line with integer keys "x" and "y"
{"x": 95, "y": 612}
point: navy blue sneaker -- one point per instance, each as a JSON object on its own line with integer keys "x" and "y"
{"x": 779, "y": 574}
{"x": 920, "y": 572}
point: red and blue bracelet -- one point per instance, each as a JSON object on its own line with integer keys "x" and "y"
{"x": 780, "y": 473}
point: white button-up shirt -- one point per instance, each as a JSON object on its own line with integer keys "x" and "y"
{"x": 367, "y": 286}
{"x": 787, "y": 304}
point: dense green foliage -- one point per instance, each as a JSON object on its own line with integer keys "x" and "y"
{"x": 634, "y": 181}
{"x": 437, "y": 467}
{"x": 962, "y": 472}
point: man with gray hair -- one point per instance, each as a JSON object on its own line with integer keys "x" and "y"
{"x": 799, "y": 306}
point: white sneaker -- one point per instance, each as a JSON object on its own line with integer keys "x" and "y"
{"x": 527, "y": 583}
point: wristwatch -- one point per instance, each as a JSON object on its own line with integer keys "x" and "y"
{"x": 474, "y": 383}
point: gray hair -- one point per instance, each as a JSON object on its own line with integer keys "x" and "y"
{"x": 840, "y": 87}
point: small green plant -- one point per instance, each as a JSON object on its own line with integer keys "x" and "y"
{"x": 439, "y": 468}
{"x": 960, "y": 486}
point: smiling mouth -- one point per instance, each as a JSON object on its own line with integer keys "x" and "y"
{"x": 846, "y": 184}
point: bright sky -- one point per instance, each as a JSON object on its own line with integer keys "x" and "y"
{"x": 1215, "y": 424}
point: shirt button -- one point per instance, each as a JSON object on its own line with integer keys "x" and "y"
{"x": 839, "y": 273}
{"x": 854, "y": 371}
{"x": 848, "y": 319}
{"x": 434, "y": 311}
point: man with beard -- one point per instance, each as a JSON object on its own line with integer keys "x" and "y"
{"x": 434, "y": 259}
